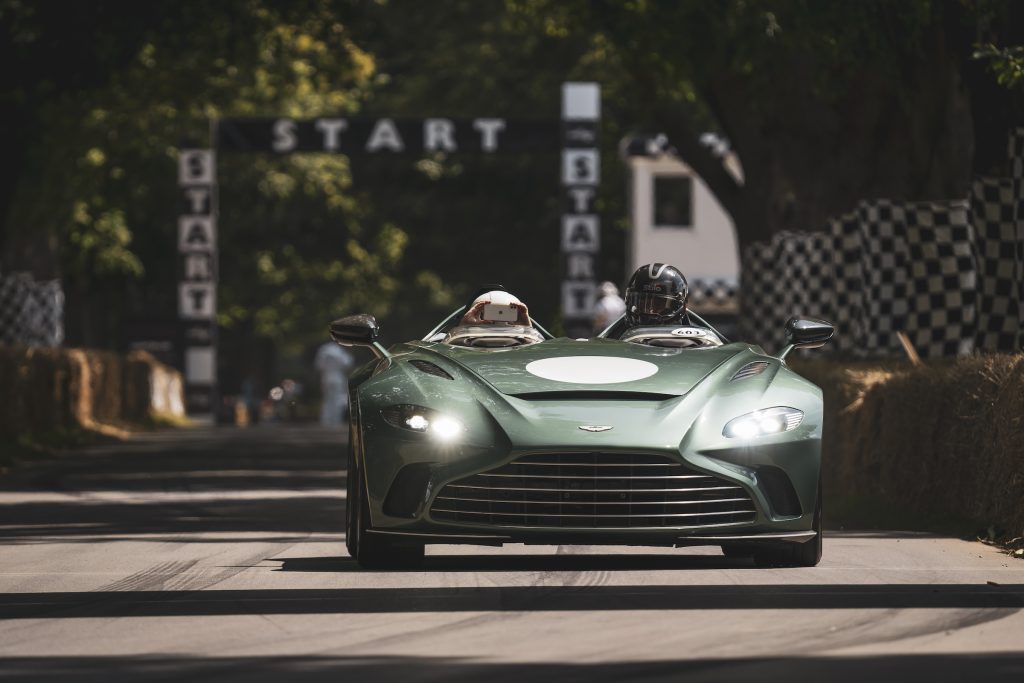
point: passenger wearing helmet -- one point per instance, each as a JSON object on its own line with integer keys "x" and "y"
{"x": 494, "y": 319}
{"x": 656, "y": 295}
{"x": 496, "y": 307}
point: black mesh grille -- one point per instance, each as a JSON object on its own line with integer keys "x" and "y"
{"x": 594, "y": 490}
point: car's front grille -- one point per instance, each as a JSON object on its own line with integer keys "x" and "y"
{"x": 594, "y": 490}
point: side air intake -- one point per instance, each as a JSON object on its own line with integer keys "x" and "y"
{"x": 777, "y": 486}
{"x": 430, "y": 369}
{"x": 750, "y": 370}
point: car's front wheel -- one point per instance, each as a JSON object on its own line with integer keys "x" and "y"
{"x": 737, "y": 550}
{"x": 806, "y": 554}
{"x": 369, "y": 550}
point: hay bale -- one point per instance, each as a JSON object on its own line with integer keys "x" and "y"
{"x": 168, "y": 391}
{"x": 849, "y": 448}
{"x": 941, "y": 438}
{"x": 136, "y": 400}
{"x": 106, "y": 375}
{"x": 9, "y": 397}
{"x": 49, "y": 389}
{"x": 41, "y": 379}
{"x": 1005, "y": 478}
{"x": 151, "y": 388}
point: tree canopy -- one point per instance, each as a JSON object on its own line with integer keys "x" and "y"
{"x": 825, "y": 103}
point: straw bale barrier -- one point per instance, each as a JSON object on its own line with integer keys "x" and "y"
{"x": 47, "y": 389}
{"x": 941, "y": 438}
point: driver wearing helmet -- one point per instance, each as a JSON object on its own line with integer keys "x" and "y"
{"x": 656, "y": 295}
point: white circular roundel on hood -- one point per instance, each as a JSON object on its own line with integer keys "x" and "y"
{"x": 591, "y": 369}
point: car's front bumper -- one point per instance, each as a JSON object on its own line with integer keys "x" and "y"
{"x": 401, "y": 506}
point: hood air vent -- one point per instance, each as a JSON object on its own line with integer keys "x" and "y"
{"x": 430, "y": 369}
{"x": 750, "y": 370}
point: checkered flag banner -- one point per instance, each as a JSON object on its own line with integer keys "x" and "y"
{"x": 882, "y": 269}
{"x": 806, "y": 258}
{"x": 882, "y": 226}
{"x": 1017, "y": 174}
{"x": 942, "y": 316}
{"x": 789, "y": 276}
{"x": 999, "y": 238}
{"x": 31, "y": 313}
{"x": 847, "y": 295}
{"x": 717, "y": 295}
{"x": 759, "y": 292}
{"x": 948, "y": 274}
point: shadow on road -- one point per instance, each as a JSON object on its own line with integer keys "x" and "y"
{"x": 932, "y": 668}
{"x": 508, "y": 598}
{"x": 111, "y": 521}
{"x": 268, "y": 479}
{"x": 530, "y": 563}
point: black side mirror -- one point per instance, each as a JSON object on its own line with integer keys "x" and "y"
{"x": 808, "y": 333}
{"x": 357, "y": 330}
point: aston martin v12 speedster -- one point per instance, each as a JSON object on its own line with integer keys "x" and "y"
{"x": 671, "y": 436}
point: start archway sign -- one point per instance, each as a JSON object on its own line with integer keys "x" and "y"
{"x": 576, "y": 135}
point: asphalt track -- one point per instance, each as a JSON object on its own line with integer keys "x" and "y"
{"x": 218, "y": 555}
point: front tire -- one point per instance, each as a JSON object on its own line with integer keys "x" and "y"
{"x": 806, "y": 554}
{"x": 737, "y": 550}
{"x": 370, "y": 551}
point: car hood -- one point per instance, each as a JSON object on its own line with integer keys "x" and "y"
{"x": 595, "y": 367}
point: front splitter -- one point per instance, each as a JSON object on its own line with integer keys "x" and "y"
{"x": 537, "y": 539}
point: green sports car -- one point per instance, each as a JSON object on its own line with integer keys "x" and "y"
{"x": 500, "y": 433}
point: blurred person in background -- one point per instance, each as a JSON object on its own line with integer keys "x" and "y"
{"x": 609, "y": 307}
{"x": 333, "y": 363}
{"x": 249, "y": 400}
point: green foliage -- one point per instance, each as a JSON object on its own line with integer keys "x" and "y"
{"x": 1007, "y": 63}
{"x": 815, "y": 97}
{"x": 676, "y": 50}
{"x": 102, "y": 176}
{"x": 826, "y": 103}
{"x": 108, "y": 155}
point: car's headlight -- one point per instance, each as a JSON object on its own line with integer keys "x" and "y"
{"x": 423, "y": 420}
{"x": 763, "y": 423}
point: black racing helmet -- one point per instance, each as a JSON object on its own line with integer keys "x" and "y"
{"x": 656, "y": 295}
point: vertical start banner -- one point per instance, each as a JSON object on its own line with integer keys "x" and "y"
{"x": 197, "y": 277}
{"x": 581, "y": 226}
